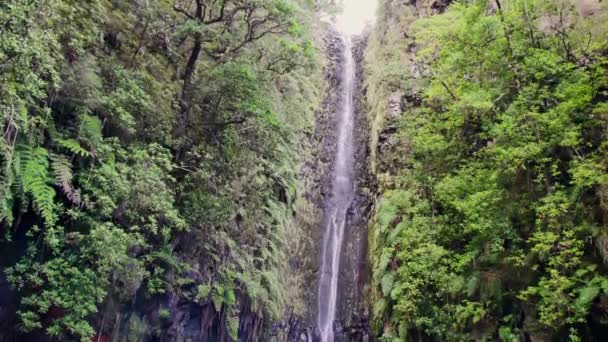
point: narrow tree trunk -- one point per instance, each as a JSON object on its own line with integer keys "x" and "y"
{"x": 186, "y": 97}
{"x": 185, "y": 104}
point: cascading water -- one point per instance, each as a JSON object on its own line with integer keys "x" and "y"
{"x": 341, "y": 197}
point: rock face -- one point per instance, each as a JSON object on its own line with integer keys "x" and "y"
{"x": 392, "y": 96}
{"x": 315, "y": 174}
{"x": 353, "y": 310}
{"x": 351, "y": 317}
{"x": 352, "y": 314}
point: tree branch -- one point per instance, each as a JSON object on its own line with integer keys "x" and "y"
{"x": 182, "y": 11}
{"x": 220, "y": 16}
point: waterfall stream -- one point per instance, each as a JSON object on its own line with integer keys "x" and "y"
{"x": 341, "y": 197}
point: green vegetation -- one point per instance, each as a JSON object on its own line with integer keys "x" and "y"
{"x": 150, "y": 154}
{"x": 150, "y": 149}
{"x": 493, "y": 216}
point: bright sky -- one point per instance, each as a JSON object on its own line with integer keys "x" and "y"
{"x": 356, "y": 14}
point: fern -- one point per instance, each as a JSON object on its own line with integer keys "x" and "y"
{"x": 34, "y": 178}
{"x": 232, "y": 323}
{"x": 90, "y": 131}
{"x": 202, "y": 293}
{"x": 387, "y": 283}
{"x": 72, "y": 146}
{"x": 217, "y": 297}
{"x": 586, "y": 296}
{"x": 62, "y": 170}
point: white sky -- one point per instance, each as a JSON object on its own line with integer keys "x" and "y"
{"x": 356, "y": 14}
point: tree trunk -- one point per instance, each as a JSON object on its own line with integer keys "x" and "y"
{"x": 186, "y": 96}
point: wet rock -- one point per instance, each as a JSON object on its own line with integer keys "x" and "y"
{"x": 351, "y": 318}
{"x": 354, "y": 274}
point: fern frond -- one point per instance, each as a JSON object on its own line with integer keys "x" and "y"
{"x": 34, "y": 177}
{"x": 90, "y": 131}
{"x": 44, "y": 195}
{"x": 73, "y": 146}
{"x": 233, "y": 322}
{"x": 62, "y": 170}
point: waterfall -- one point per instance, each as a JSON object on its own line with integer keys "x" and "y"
{"x": 341, "y": 197}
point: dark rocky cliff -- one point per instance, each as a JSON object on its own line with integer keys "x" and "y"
{"x": 352, "y": 313}
{"x": 354, "y": 277}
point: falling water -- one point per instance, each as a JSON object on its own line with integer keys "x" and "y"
{"x": 340, "y": 200}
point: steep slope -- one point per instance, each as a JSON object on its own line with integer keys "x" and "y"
{"x": 488, "y": 144}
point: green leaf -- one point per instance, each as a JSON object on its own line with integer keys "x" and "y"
{"x": 73, "y": 146}
{"x": 387, "y": 283}
{"x": 586, "y": 296}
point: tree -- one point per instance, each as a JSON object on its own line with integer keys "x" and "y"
{"x": 221, "y": 29}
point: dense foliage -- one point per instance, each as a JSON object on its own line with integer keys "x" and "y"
{"x": 493, "y": 216}
{"x": 148, "y": 151}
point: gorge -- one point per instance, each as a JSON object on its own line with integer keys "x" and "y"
{"x": 303, "y": 171}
